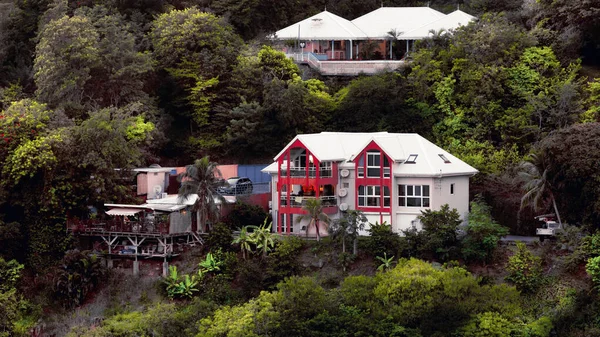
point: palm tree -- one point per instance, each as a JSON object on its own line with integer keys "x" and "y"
{"x": 203, "y": 178}
{"x": 534, "y": 173}
{"x": 314, "y": 210}
{"x": 393, "y": 36}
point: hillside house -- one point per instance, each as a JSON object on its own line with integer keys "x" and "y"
{"x": 390, "y": 177}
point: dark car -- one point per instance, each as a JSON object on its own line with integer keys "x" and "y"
{"x": 236, "y": 185}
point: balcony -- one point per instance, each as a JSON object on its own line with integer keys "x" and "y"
{"x": 300, "y": 172}
{"x": 300, "y": 201}
{"x": 346, "y": 67}
{"x": 108, "y": 226}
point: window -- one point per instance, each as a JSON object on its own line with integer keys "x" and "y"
{"x": 360, "y": 171}
{"x": 369, "y": 196}
{"x": 452, "y": 188}
{"x": 325, "y": 169}
{"x": 386, "y": 196}
{"x": 446, "y": 160}
{"x": 413, "y": 195}
{"x": 373, "y": 164}
{"x": 411, "y": 159}
{"x": 386, "y": 167}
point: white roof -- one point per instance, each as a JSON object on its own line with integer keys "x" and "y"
{"x": 378, "y": 23}
{"x": 322, "y": 26}
{"x": 451, "y": 21}
{"x": 123, "y": 211}
{"x": 345, "y": 146}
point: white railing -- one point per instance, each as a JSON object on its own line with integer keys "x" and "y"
{"x": 346, "y": 67}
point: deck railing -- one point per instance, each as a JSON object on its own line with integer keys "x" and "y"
{"x": 346, "y": 67}
{"x": 300, "y": 201}
{"x": 101, "y": 226}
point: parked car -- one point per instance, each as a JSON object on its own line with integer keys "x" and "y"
{"x": 236, "y": 185}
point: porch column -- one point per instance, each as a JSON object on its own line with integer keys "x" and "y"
{"x": 391, "y": 43}
{"x": 406, "y": 47}
{"x": 332, "y": 50}
{"x": 351, "y": 50}
{"x": 165, "y": 267}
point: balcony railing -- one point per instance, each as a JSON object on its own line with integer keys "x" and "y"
{"x": 300, "y": 172}
{"x": 100, "y": 226}
{"x": 300, "y": 201}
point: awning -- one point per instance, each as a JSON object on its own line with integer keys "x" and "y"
{"x": 123, "y": 211}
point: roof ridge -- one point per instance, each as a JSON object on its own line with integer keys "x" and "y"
{"x": 334, "y": 18}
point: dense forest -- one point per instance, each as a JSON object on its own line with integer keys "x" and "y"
{"x": 89, "y": 86}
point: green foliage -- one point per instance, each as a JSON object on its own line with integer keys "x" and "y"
{"x": 382, "y": 240}
{"x": 348, "y": 227}
{"x": 386, "y": 263}
{"x": 276, "y": 64}
{"x": 525, "y": 269}
{"x": 220, "y": 237}
{"x": 439, "y": 236}
{"x": 78, "y": 274}
{"x": 283, "y": 261}
{"x": 593, "y": 269}
{"x": 243, "y": 214}
{"x": 263, "y": 238}
{"x": 482, "y": 233}
{"x": 10, "y": 273}
{"x": 210, "y": 264}
{"x": 180, "y": 286}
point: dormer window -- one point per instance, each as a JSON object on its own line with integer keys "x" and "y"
{"x": 373, "y": 164}
{"x": 412, "y": 159}
{"x": 446, "y": 160}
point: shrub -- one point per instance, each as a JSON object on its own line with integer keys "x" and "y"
{"x": 283, "y": 261}
{"x": 220, "y": 237}
{"x": 525, "y": 269}
{"x": 382, "y": 240}
{"x": 439, "y": 236}
{"x": 593, "y": 269}
{"x": 482, "y": 233}
{"x": 244, "y": 214}
{"x": 78, "y": 273}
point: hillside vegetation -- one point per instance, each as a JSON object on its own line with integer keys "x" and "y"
{"x": 90, "y": 86}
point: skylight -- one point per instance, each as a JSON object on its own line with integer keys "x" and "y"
{"x": 446, "y": 160}
{"x": 411, "y": 159}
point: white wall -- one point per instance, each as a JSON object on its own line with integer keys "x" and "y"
{"x": 458, "y": 200}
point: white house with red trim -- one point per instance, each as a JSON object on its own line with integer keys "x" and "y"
{"x": 389, "y": 177}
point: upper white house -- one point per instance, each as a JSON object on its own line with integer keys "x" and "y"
{"x": 389, "y": 177}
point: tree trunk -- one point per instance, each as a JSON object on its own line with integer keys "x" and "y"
{"x": 343, "y": 244}
{"x": 556, "y": 211}
{"x": 355, "y": 246}
{"x": 317, "y": 229}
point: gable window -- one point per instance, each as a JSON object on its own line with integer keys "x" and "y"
{"x": 386, "y": 167}
{"x": 413, "y": 195}
{"x": 373, "y": 164}
{"x": 360, "y": 171}
{"x": 411, "y": 159}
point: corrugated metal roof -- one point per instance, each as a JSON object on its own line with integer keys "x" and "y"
{"x": 345, "y": 146}
{"x": 378, "y": 23}
{"x": 451, "y": 21}
{"x": 322, "y": 26}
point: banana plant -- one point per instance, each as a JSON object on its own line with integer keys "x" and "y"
{"x": 386, "y": 262}
{"x": 263, "y": 238}
{"x": 245, "y": 241}
{"x": 210, "y": 264}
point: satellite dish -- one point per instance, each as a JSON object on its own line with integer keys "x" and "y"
{"x": 157, "y": 190}
{"x": 344, "y": 173}
{"x": 342, "y": 192}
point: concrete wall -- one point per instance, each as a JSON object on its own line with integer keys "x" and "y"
{"x": 458, "y": 200}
